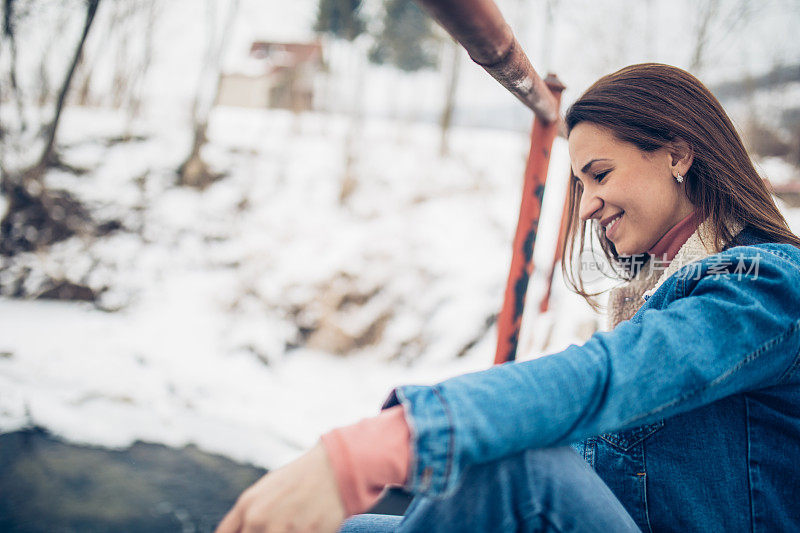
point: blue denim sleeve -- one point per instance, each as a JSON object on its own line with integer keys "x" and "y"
{"x": 721, "y": 334}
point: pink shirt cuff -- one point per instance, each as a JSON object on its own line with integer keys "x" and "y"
{"x": 369, "y": 455}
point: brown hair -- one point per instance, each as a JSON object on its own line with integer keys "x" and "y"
{"x": 650, "y": 106}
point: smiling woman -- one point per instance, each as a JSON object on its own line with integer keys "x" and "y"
{"x": 685, "y": 416}
{"x": 652, "y": 143}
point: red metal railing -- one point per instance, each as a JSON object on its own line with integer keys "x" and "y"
{"x": 481, "y": 29}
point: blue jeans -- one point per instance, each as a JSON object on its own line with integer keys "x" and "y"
{"x": 551, "y": 489}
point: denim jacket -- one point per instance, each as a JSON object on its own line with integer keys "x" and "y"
{"x": 689, "y": 411}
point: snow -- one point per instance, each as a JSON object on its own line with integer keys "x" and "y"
{"x": 778, "y": 170}
{"x": 188, "y": 343}
{"x": 197, "y": 336}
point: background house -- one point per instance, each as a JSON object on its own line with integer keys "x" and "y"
{"x": 276, "y": 75}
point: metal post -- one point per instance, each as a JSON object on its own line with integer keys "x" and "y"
{"x": 544, "y": 303}
{"x": 509, "y": 321}
{"x": 480, "y": 28}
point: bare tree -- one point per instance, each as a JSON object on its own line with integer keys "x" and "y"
{"x": 716, "y": 21}
{"x": 446, "y": 119}
{"x": 10, "y": 42}
{"x": 57, "y": 36}
{"x": 36, "y": 216}
{"x": 549, "y": 34}
{"x": 124, "y": 40}
{"x": 137, "y": 86}
{"x": 342, "y": 22}
{"x": 707, "y": 12}
{"x": 194, "y": 172}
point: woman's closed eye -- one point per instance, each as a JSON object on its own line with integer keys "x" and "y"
{"x": 600, "y": 175}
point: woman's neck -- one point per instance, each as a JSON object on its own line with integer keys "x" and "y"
{"x": 667, "y": 246}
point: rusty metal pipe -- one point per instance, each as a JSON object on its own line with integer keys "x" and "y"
{"x": 481, "y": 29}
{"x": 509, "y": 321}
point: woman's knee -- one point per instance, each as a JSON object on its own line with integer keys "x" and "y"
{"x": 371, "y": 523}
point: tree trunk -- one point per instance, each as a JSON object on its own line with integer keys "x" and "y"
{"x": 47, "y": 152}
{"x": 450, "y": 97}
{"x": 349, "y": 182}
{"x": 194, "y": 172}
{"x": 708, "y": 11}
{"x": 35, "y": 215}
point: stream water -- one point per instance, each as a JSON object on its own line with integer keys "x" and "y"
{"x": 47, "y": 485}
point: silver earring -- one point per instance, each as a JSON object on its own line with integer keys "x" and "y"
{"x": 678, "y": 177}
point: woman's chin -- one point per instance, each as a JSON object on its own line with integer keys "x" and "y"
{"x": 624, "y": 250}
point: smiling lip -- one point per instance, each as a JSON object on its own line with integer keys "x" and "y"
{"x": 611, "y": 223}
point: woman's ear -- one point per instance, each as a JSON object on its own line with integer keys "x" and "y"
{"x": 681, "y": 156}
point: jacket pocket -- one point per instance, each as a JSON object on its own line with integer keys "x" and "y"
{"x": 625, "y": 440}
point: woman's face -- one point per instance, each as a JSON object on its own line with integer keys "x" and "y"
{"x": 620, "y": 179}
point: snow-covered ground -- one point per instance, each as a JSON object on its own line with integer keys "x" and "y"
{"x": 193, "y": 337}
{"x": 292, "y": 295}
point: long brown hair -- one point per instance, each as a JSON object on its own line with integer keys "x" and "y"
{"x": 650, "y": 106}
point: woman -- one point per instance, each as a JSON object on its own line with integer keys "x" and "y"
{"x": 685, "y": 416}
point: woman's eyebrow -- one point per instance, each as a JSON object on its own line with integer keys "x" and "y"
{"x": 590, "y": 163}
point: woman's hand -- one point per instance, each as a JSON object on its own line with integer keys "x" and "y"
{"x": 301, "y": 496}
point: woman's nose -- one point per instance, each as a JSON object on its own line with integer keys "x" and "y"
{"x": 589, "y": 206}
